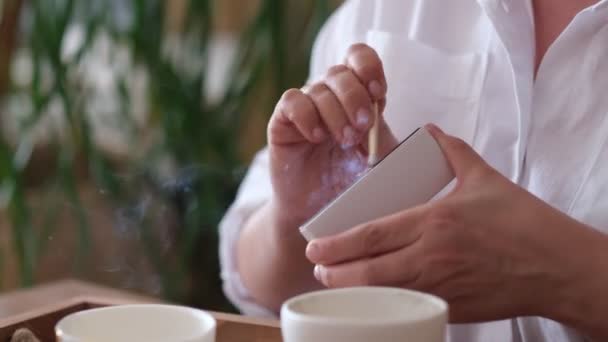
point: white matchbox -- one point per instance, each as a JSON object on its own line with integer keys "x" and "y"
{"x": 412, "y": 174}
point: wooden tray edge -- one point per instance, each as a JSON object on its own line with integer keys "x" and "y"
{"x": 101, "y": 301}
{"x": 49, "y": 309}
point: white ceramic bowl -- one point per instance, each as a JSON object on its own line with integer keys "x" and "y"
{"x": 129, "y": 323}
{"x": 363, "y": 314}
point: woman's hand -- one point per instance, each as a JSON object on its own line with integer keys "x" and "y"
{"x": 317, "y": 146}
{"x": 317, "y": 136}
{"x": 490, "y": 248}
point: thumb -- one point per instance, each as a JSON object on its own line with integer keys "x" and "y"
{"x": 461, "y": 157}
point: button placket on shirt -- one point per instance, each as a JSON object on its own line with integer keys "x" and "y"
{"x": 514, "y": 26}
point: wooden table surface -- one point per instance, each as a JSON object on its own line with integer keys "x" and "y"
{"x": 19, "y": 306}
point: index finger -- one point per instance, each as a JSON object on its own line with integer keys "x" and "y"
{"x": 384, "y": 235}
{"x": 367, "y": 66}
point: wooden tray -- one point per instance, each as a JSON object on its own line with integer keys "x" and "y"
{"x": 231, "y": 328}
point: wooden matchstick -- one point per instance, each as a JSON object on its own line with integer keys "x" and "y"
{"x": 372, "y": 157}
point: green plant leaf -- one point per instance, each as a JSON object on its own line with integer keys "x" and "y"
{"x": 19, "y": 216}
{"x": 199, "y": 140}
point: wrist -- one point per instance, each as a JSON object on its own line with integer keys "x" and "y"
{"x": 285, "y": 225}
{"x": 581, "y": 301}
{"x": 265, "y": 255}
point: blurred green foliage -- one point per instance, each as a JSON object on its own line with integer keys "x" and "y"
{"x": 198, "y": 135}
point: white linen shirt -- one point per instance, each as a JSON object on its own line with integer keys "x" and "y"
{"x": 468, "y": 66}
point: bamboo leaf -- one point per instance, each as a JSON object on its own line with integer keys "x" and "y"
{"x": 19, "y": 216}
{"x": 2, "y": 258}
{"x": 69, "y": 186}
{"x": 193, "y": 134}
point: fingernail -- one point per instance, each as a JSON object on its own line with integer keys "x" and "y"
{"x": 312, "y": 251}
{"x": 376, "y": 89}
{"x": 317, "y": 273}
{"x": 318, "y": 134}
{"x": 349, "y": 138}
{"x": 363, "y": 118}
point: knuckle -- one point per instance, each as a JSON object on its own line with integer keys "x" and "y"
{"x": 304, "y": 118}
{"x": 358, "y": 48}
{"x": 319, "y": 90}
{"x": 336, "y": 70}
{"x": 296, "y": 115}
{"x": 371, "y": 70}
{"x": 440, "y": 229}
{"x": 373, "y": 237}
{"x": 272, "y": 133}
{"x": 272, "y": 128}
{"x": 290, "y": 96}
{"x": 448, "y": 211}
{"x": 293, "y": 106}
{"x": 305, "y": 88}
{"x": 443, "y": 217}
{"x": 367, "y": 61}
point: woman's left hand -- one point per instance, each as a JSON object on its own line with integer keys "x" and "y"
{"x": 489, "y": 248}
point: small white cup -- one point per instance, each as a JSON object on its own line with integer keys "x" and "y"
{"x": 363, "y": 314}
{"x": 128, "y": 323}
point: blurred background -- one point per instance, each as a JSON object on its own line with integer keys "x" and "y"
{"x": 125, "y": 129}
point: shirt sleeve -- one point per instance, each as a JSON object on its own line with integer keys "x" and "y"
{"x": 256, "y": 189}
{"x": 253, "y": 193}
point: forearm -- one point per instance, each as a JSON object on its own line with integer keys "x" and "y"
{"x": 273, "y": 265}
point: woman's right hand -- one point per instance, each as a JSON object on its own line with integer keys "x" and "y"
{"x": 318, "y": 136}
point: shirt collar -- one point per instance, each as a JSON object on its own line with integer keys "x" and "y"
{"x": 602, "y": 5}
{"x": 513, "y": 21}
